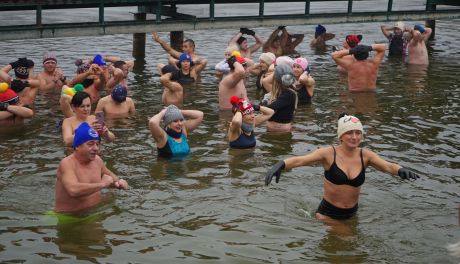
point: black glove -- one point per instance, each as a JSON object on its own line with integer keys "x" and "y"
{"x": 281, "y": 27}
{"x": 256, "y": 107}
{"x": 30, "y": 63}
{"x": 235, "y": 108}
{"x": 231, "y": 61}
{"x": 275, "y": 171}
{"x": 4, "y": 106}
{"x": 243, "y": 30}
{"x": 406, "y": 174}
{"x": 250, "y": 32}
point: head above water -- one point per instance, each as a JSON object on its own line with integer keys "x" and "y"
{"x": 119, "y": 93}
{"x": 77, "y": 99}
{"x": 172, "y": 114}
{"x": 84, "y": 133}
{"x": 348, "y": 123}
{"x": 284, "y": 75}
{"x": 353, "y": 40}
{"x": 319, "y": 30}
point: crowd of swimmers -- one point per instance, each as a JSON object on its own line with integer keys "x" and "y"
{"x": 284, "y": 80}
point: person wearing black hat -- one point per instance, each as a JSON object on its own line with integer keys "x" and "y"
{"x": 22, "y": 84}
{"x": 362, "y": 72}
{"x": 117, "y": 103}
{"x": 244, "y": 48}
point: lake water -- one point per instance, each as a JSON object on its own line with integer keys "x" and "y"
{"x": 213, "y": 207}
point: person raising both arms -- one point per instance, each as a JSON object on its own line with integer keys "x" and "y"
{"x": 362, "y": 73}
{"x": 321, "y": 36}
{"x": 172, "y": 139}
{"x": 304, "y": 84}
{"x": 187, "y": 47}
{"x": 418, "y": 54}
{"x": 242, "y": 43}
{"x": 232, "y": 83}
{"x": 344, "y": 170}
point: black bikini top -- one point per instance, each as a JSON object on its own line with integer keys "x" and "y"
{"x": 339, "y": 177}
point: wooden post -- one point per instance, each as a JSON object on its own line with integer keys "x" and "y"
{"x": 139, "y": 39}
{"x": 430, "y": 23}
{"x": 176, "y": 39}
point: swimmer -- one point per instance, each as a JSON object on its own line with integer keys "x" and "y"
{"x": 52, "y": 77}
{"x": 11, "y": 109}
{"x": 117, "y": 72}
{"x": 91, "y": 76}
{"x": 241, "y": 131}
{"x": 81, "y": 106}
{"x": 242, "y": 43}
{"x": 341, "y": 191}
{"x": 283, "y": 44}
{"x": 362, "y": 73}
{"x": 348, "y": 43}
{"x": 22, "y": 84}
{"x": 304, "y": 84}
{"x": 82, "y": 175}
{"x": 233, "y": 83}
{"x": 262, "y": 70}
{"x": 398, "y": 43}
{"x": 187, "y": 47}
{"x": 171, "y": 139}
{"x": 418, "y": 53}
{"x": 117, "y": 103}
{"x": 283, "y": 99}
{"x": 321, "y": 36}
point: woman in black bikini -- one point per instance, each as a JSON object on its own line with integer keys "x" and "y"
{"x": 344, "y": 170}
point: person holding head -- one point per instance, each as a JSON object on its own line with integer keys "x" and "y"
{"x": 397, "y": 46}
{"x": 350, "y": 42}
{"x": 269, "y": 77}
{"x": 304, "y": 84}
{"x": 52, "y": 77}
{"x": 233, "y": 83}
{"x": 11, "y": 109}
{"x": 22, "y": 84}
{"x": 187, "y": 47}
{"x": 117, "y": 103}
{"x": 283, "y": 99}
{"x": 362, "y": 73}
{"x": 222, "y": 67}
{"x": 117, "y": 72}
{"x": 262, "y": 69}
{"x": 418, "y": 53}
{"x": 91, "y": 75}
{"x": 321, "y": 36}
{"x": 81, "y": 106}
{"x": 241, "y": 131}
{"x": 242, "y": 43}
{"x": 344, "y": 170}
{"x": 283, "y": 44}
{"x": 171, "y": 139}
{"x": 82, "y": 175}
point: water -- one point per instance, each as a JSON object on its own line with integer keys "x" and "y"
{"x": 212, "y": 206}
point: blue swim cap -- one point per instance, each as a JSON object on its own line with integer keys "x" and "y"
{"x": 84, "y": 133}
{"x": 184, "y": 57}
{"x": 319, "y": 30}
{"x": 99, "y": 60}
{"x": 419, "y": 28}
{"x": 119, "y": 93}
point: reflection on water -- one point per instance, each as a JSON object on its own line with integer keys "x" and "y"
{"x": 212, "y": 204}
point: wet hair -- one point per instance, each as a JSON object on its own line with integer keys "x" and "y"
{"x": 78, "y": 98}
{"x": 190, "y": 41}
{"x": 119, "y": 64}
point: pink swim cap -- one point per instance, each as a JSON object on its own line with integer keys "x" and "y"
{"x": 302, "y": 62}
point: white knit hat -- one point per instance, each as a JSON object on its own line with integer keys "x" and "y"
{"x": 347, "y": 123}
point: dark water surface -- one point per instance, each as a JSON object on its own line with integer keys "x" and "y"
{"x": 212, "y": 206}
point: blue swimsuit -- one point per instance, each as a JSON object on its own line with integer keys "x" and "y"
{"x": 174, "y": 148}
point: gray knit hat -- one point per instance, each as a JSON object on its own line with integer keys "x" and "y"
{"x": 172, "y": 113}
{"x": 284, "y": 74}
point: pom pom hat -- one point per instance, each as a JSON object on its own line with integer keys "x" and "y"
{"x": 347, "y": 123}
{"x": 244, "y": 106}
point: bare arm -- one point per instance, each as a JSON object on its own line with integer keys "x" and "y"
{"x": 194, "y": 118}
{"x": 67, "y": 132}
{"x": 117, "y": 77}
{"x": 311, "y": 158}
{"x": 21, "y": 111}
{"x": 266, "y": 113}
{"x": 169, "y": 84}
{"x": 380, "y": 164}
{"x": 233, "y": 40}
{"x": 338, "y": 57}
{"x": 117, "y": 182}
{"x": 270, "y": 40}
{"x": 386, "y": 31}
{"x": 100, "y": 105}
{"x": 232, "y": 79}
{"x": 165, "y": 46}
{"x": 78, "y": 189}
{"x": 426, "y": 35}
{"x": 157, "y": 132}
{"x": 132, "y": 107}
{"x": 257, "y": 45}
{"x": 380, "y": 49}
{"x": 308, "y": 81}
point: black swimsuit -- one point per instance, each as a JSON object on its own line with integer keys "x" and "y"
{"x": 339, "y": 177}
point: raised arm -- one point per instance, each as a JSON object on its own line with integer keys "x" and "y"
{"x": 386, "y": 31}
{"x": 193, "y": 119}
{"x": 156, "y": 130}
{"x": 266, "y": 113}
{"x": 380, "y": 53}
{"x": 176, "y": 54}
{"x": 258, "y": 43}
{"x": 268, "y": 43}
{"x": 232, "y": 41}
{"x": 338, "y": 57}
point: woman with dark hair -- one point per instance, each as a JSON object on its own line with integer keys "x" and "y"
{"x": 344, "y": 170}
{"x": 81, "y": 106}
